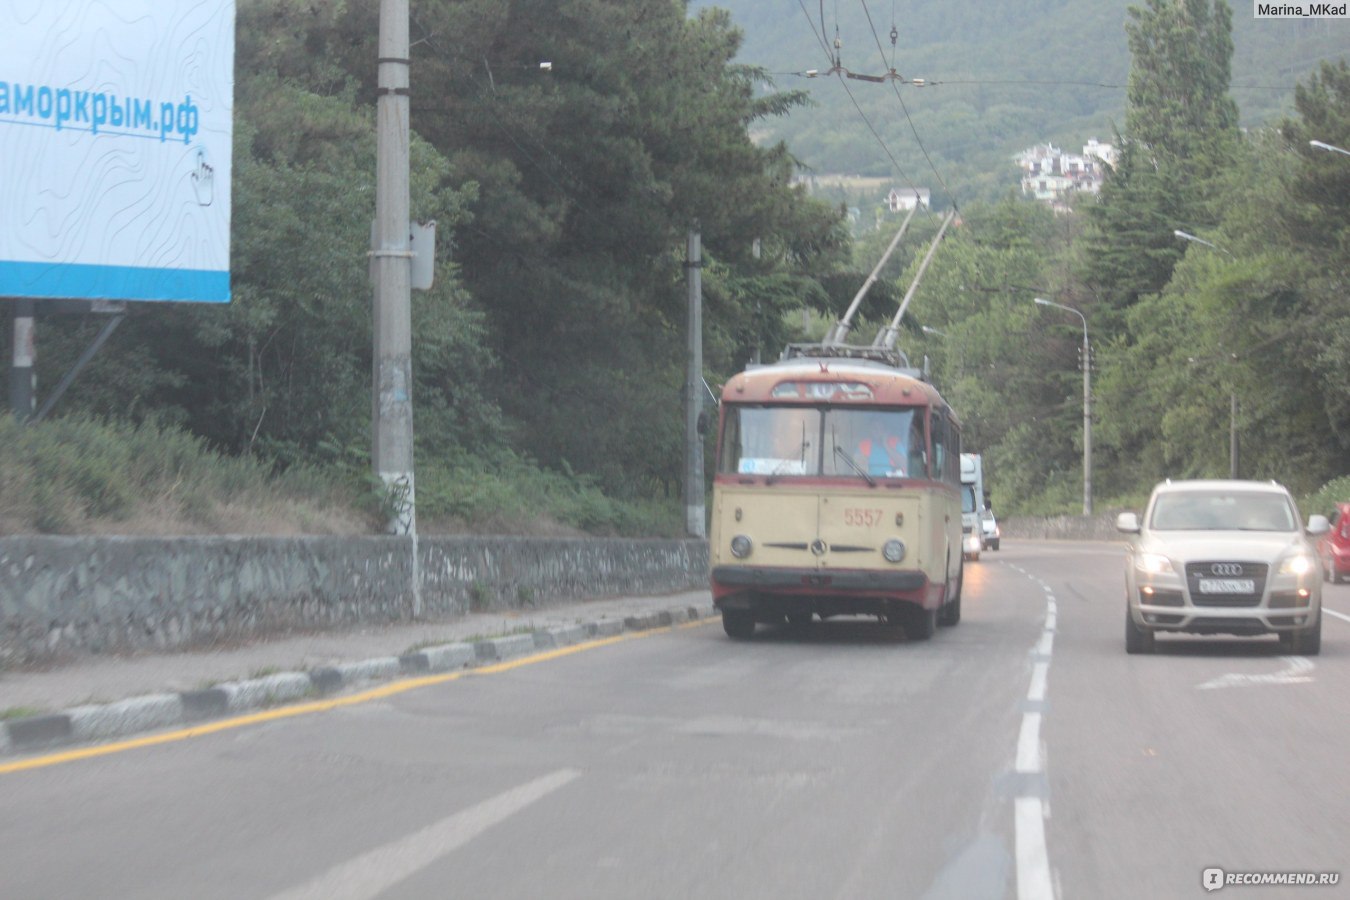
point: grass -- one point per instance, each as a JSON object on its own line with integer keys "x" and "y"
{"x": 20, "y": 712}
{"x": 480, "y": 597}
{"x": 422, "y": 645}
{"x": 520, "y": 629}
{"x": 79, "y": 475}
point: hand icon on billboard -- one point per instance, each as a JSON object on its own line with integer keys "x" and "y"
{"x": 204, "y": 181}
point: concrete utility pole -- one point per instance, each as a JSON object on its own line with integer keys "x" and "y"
{"x": 392, "y": 425}
{"x": 22, "y": 374}
{"x": 1087, "y": 403}
{"x": 695, "y": 509}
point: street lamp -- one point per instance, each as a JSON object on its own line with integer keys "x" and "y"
{"x": 1232, "y": 395}
{"x": 1190, "y": 237}
{"x": 1087, "y": 403}
{"x": 1332, "y": 147}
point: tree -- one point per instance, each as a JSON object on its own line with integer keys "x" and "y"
{"x": 1180, "y": 134}
{"x": 1317, "y": 216}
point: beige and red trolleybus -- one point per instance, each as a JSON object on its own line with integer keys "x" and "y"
{"x": 837, "y": 492}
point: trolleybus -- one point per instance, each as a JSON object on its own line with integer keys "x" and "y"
{"x": 837, "y": 492}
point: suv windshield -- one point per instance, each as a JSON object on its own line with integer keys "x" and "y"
{"x": 824, "y": 440}
{"x": 1222, "y": 511}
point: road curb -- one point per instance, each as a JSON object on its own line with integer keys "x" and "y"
{"x": 85, "y": 724}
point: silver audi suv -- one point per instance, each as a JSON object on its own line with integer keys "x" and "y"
{"x": 1222, "y": 557}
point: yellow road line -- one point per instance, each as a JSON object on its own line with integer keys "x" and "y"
{"x": 318, "y": 706}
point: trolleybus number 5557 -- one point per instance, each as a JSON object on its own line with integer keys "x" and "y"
{"x": 863, "y": 517}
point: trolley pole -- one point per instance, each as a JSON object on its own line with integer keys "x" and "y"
{"x": 392, "y": 414}
{"x": 694, "y": 505}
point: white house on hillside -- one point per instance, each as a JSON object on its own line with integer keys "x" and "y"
{"x": 1050, "y": 174}
{"x": 898, "y": 200}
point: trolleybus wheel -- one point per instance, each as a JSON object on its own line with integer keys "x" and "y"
{"x": 738, "y": 625}
{"x": 921, "y": 623}
{"x": 951, "y": 610}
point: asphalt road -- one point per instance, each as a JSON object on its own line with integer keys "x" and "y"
{"x": 1020, "y": 754}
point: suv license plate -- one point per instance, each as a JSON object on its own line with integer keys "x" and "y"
{"x": 1227, "y": 586}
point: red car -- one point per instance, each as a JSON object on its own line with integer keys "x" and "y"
{"x": 1334, "y": 547}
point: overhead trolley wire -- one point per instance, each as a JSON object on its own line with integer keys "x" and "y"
{"x": 898, "y": 96}
{"x": 838, "y": 70}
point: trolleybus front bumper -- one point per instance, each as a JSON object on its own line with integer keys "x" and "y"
{"x": 772, "y": 591}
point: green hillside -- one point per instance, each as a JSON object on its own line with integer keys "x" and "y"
{"x": 1001, "y": 77}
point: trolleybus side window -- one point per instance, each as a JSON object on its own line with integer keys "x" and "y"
{"x": 946, "y": 449}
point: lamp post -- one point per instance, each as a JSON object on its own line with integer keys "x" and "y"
{"x": 1232, "y": 395}
{"x": 1087, "y": 404}
{"x": 1320, "y": 145}
{"x": 1190, "y": 237}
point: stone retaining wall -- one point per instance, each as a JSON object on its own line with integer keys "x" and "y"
{"x": 1062, "y": 528}
{"x": 63, "y": 596}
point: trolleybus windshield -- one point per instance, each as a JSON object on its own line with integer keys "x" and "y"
{"x": 786, "y": 441}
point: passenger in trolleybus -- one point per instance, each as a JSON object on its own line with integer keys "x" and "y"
{"x": 890, "y": 454}
{"x": 786, "y": 441}
{"x": 884, "y": 443}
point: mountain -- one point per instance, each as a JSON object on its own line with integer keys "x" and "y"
{"x": 998, "y": 78}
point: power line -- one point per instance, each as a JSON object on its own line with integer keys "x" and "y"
{"x": 893, "y": 77}
{"x": 838, "y": 70}
{"x": 898, "y": 96}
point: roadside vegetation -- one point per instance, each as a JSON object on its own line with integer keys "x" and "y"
{"x": 77, "y": 475}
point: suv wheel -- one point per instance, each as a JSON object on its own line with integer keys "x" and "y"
{"x": 1137, "y": 640}
{"x": 1307, "y": 642}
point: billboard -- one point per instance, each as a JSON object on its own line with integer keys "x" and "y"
{"x": 115, "y": 131}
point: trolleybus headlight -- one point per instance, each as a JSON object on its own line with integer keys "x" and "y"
{"x": 741, "y": 546}
{"x": 893, "y": 550}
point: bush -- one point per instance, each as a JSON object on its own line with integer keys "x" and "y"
{"x": 76, "y": 474}
{"x": 80, "y": 475}
{"x": 513, "y": 495}
{"x": 1324, "y": 501}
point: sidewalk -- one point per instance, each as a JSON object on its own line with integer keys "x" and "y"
{"x": 99, "y": 697}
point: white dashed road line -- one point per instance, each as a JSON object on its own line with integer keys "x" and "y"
{"x": 373, "y": 873}
{"x": 1332, "y": 612}
{"x": 1029, "y": 809}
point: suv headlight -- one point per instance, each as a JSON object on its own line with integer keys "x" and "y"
{"x": 1299, "y": 564}
{"x": 1153, "y": 564}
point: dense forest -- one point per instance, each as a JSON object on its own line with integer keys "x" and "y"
{"x": 548, "y": 356}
